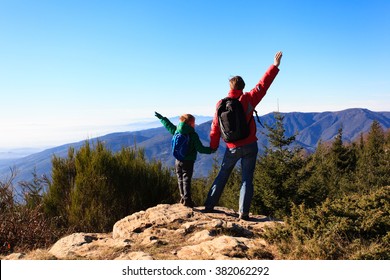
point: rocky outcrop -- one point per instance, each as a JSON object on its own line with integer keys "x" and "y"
{"x": 168, "y": 232}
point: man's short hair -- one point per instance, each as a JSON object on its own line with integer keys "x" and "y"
{"x": 237, "y": 83}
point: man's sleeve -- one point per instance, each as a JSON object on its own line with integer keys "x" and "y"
{"x": 215, "y": 132}
{"x": 262, "y": 86}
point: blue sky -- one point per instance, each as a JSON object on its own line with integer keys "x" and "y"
{"x": 72, "y": 70}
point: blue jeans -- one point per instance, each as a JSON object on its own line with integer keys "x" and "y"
{"x": 248, "y": 156}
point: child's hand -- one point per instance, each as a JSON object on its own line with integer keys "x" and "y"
{"x": 278, "y": 57}
{"x": 158, "y": 115}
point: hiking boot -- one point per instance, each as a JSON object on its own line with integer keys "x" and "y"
{"x": 189, "y": 203}
{"x": 244, "y": 216}
{"x": 208, "y": 210}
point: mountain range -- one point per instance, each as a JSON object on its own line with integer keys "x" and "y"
{"x": 310, "y": 129}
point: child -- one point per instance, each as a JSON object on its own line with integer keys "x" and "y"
{"x": 184, "y": 168}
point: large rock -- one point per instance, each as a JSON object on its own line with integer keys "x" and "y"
{"x": 88, "y": 246}
{"x": 163, "y": 214}
{"x": 167, "y": 232}
{"x": 220, "y": 248}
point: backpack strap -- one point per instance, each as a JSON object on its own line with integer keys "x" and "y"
{"x": 258, "y": 119}
{"x": 250, "y": 107}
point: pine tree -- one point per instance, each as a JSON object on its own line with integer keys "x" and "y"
{"x": 344, "y": 157}
{"x": 343, "y": 160}
{"x": 277, "y": 176}
{"x": 33, "y": 190}
{"x": 374, "y": 163}
{"x": 315, "y": 184}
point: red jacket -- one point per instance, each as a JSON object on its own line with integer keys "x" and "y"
{"x": 249, "y": 101}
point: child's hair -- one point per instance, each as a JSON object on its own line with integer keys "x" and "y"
{"x": 187, "y": 118}
{"x": 237, "y": 83}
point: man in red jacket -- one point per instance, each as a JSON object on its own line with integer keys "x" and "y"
{"x": 245, "y": 149}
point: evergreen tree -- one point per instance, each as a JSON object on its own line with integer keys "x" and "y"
{"x": 277, "y": 176}
{"x": 344, "y": 158}
{"x": 374, "y": 163}
{"x": 315, "y": 185}
{"x": 33, "y": 190}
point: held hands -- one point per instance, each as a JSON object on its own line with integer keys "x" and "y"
{"x": 158, "y": 115}
{"x": 278, "y": 57}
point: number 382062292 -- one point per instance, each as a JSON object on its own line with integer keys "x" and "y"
{"x": 230, "y": 270}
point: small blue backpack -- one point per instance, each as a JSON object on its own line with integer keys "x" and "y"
{"x": 180, "y": 145}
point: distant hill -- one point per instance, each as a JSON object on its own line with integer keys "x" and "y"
{"x": 311, "y": 128}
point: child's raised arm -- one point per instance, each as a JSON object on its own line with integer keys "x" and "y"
{"x": 166, "y": 123}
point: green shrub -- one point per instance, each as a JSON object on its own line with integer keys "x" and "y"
{"x": 353, "y": 227}
{"x": 94, "y": 188}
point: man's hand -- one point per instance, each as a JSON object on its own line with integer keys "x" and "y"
{"x": 278, "y": 57}
{"x": 158, "y": 115}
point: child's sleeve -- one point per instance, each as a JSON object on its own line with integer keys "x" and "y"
{"x": 199, "y": 146}
{"x": 168, "y": 125}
